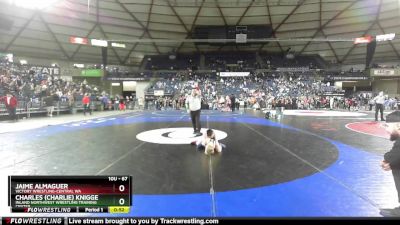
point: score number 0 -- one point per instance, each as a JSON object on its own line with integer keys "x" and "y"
{"x": 121, "y": 187}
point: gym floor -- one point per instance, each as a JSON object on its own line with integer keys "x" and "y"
{"x": 305, "y": 164}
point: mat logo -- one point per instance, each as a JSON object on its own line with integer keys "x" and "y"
{"x": 85, "y": 122}
{"x": 325, "y": 126}
{"x": 321, "y": 113}
{"x": 370, "y": 128}
{"x": 177, "y": 135}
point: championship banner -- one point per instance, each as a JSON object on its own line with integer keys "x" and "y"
{"x": 293, "y": 69}
{"x": 78, "y": 40}
{"x": 127, "y": 79}
{"x": 234, "y": 74}
{"x": 50, "y": 70}
{"x": 333, "y": 94}
{"x": 149, "y": 97}
{"x": 158, "y": 92}
{"x": 384, "y": 72}
{"x": 8, "y": 56}
{"x": 363, "y": 40}
{"x": 344, "y": 78}
{"x": 385, "y": 37}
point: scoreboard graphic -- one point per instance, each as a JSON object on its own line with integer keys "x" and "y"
{"x": 70, "y": 194}
{"x": 78, "y": 194}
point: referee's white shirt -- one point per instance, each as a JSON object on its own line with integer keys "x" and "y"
{"x": 379, "y": 99}
{"x": 194, "y": 103}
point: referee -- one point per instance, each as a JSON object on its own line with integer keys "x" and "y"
{"x": 379, "y": 101}
{"x": 193, "y": 105}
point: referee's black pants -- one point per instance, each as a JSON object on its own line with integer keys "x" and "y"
{"x": 195, "y": 115}
{"x": 86, "y": 108}
{"x": 378, "y": 107}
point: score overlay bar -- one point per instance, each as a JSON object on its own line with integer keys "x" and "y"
{"x": 64, "y": 194}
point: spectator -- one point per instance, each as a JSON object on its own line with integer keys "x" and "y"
{"x": 11, "y": 104}
{"x": 371, "y": 103}
{"x": 233, "y": 102}
{"x": 122, "y": 106}
{"x": 49, "y": 103}
{"x": 86, "y": 104}
{"x": 392, "y": 158}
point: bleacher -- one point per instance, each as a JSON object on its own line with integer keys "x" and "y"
{"x": 281, "y": 61}
{"x": 222, "y": 61}
{"x": 118, "y": 73}
{"x": 31, "y": 87}
{"x": 231, "y": 61}
{"x": 178, "y": 62}
{"x": 28, "y": 109}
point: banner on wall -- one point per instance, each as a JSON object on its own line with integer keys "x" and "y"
{"x": 158, "y": 92}
{"x": 78, "y": 40}
{"x": 363, "y": 40}
{"x": 349, "y": 78}
{"x": 92, "y": 73}
{"x": 149, "y": 97}
{"x": 384, "y": 72}
{"x": 293, "y": 69}
{"x": 385, "y": 37}
{"x": 9, "y": 57}
{"x": 66, "y": 78}
{"x": 129, "y": 85}
{"x": 234, "y": 74}
{"x": 50, "y": 70}
{"x": 127, "y": 79}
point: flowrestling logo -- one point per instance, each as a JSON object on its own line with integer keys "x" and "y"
{"x": 175, "y": 136}
{"x": 86, "y": 122}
